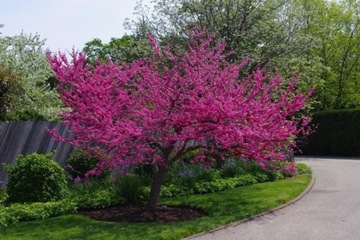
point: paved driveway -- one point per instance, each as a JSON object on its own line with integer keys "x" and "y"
{"x": 330, "y": 211}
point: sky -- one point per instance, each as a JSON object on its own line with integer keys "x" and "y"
{"x": 67, "y": 24}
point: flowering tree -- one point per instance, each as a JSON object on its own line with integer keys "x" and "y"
{"x": 24, "y": 74}
{"x": 157, "y": 109}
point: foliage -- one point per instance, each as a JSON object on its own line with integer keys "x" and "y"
{"x": 24, "y": 72}
{"x": 220, "y": 185}
{"x": 232, "y": 168}
{"x": 302, "y": 168}
{"x": 318, "y": 39}
{"x": 3, "y": 196}
{"x": 95, "y": 193}
{"x": 25, "y": 212}
{"x": 36, "y": 178}
{"x": 273, "y": 171}
{"x": 80, "y": 162}
{"x": 336, "y": 134}
{"x": 185, "y": 179}
{"x": 337, "y": 27}
{"x": 222, "y": 208}
{"x": 98, "y": 193}
{"x": 130, "y": 187}
{"x": 125, "y": 49}
{"x": 9, "y": 89}
{"x": 185, "y": 174}
{"x": 271, "y": 33}
{"x": 26, "y": 115}
{"x": 157, "y": 109}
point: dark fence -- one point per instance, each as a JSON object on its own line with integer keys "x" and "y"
{"x": 28, "y": 137}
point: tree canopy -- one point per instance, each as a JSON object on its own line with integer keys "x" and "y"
{"x": 124, "y": 49}
{"x": 317, "y": 39}
{"x": 156, "y": 109}
{"x": 24, "y": 72}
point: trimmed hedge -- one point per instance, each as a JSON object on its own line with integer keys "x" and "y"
{"x": 337, "y": 134}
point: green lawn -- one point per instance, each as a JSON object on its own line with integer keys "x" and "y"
{"x": 223, "y": 207}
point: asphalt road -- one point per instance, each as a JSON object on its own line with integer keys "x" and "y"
{"x": 330, "y": 211}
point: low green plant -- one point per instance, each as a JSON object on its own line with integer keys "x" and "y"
{"x": 23, "y": 212}
{"x": 232, "y": 168}
{"x": 3, "y": 196}
{"x": 130, "y": 188}
{"x": 202, "y": 187}
{"x": 270, "y": 173}
{"x": 262, "y": 177}
{"x": 206, "y": 174}
{"x": 185, "y": 174}
{"x": 173, "y": 190}
{"x": 95, "y": 193}
{"x": 222, "y": 208}
{"x": 35, "y": 178}
{"x": 302, "y": 168}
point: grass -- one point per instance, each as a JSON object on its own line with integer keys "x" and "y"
{"x": 223, "y": 208}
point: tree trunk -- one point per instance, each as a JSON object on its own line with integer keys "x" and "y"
{"x": 158, "y": 180}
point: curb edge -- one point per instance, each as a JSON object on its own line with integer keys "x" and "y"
{"x": 234, "y": 224}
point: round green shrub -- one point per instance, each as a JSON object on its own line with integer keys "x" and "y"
{"x": 36, "y": 178}
{"x": 80, "y": 162}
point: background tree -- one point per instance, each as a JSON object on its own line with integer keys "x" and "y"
{"x": 268, "y": 32}
{"x": 317, "y": 39}
{"x": 124, "y": 49}
{"x": 9, "y": 90}
{"x": 24, "y": 72}
{"x": 157, "y": 109}
{"x": 339, "y": 35}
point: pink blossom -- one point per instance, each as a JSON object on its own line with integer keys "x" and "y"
{"x": 150, "y": 111}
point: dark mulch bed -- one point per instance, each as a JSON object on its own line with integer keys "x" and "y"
{"x": 125, "y": 213}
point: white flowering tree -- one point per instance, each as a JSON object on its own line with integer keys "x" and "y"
{"x": 24, "y": 74}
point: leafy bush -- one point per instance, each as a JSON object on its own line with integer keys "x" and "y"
{"x": 232, "y": 168}
{"x": 186, "y": 179}
{"x": 36, "y": 178}
{"x": 26, "y": 115}
{"x": 95, "y": 193}
{"x": 185, "y": 174}
{"x": 337, "y": 134}
{"x": 3, "y": 195}
{"x": 206, "y": 174}
{"x": 80, "y": 162}
{"x": 262, "y": 177}
{"x": 23, "y": 212}
{"x": 172, "y": 190}
{"x": 270, "y": 173}
{"x": 303, "y": 169}
{"x": 130, "y": 188}
{"x": 202, "y": 187}
{"x": 223, "y": 184}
